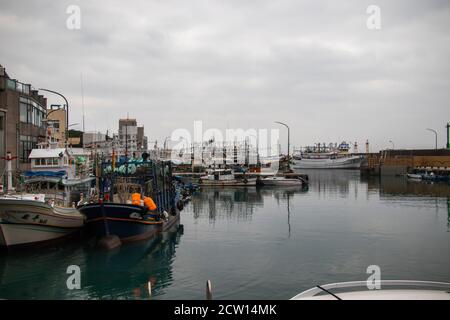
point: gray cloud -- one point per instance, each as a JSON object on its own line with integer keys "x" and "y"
{"x": 312, "y": 64}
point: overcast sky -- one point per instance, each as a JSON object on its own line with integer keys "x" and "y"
{"x": 242, "y": 64}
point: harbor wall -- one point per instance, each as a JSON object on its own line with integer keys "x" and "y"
{"x": 394, "y": 162}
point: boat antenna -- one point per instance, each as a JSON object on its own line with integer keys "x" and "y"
{"x": 329, "y": 292}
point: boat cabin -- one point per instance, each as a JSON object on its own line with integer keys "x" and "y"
{"x": 219, "y": 174}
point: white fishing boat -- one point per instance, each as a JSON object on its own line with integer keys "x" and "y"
{"x": 29, "y": 218}
{"x": 225, "y": 177}
{"x": 281, "y": 181}
{"x": 388, "y": 290}
{"x": 44, "y": 208}
{"x": 414, "y": 176}
{"x": 326, "y": 157}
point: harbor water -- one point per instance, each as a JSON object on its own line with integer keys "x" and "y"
{"x": 258, "y": 243}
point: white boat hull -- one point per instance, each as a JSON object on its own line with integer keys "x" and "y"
{"x": 281, "y": 182}
{"x": 20, "y": 234}
{"x": 352, "y": 162}
{"x": 414, "y": 176}
{"x": 28, "y": 221}
{"x": 235, "y": 183}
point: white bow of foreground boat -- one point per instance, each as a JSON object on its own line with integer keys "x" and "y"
{"x": 389, "y": 290}
{"x": 26, "y": 219}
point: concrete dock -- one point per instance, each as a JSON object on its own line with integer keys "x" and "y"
{"x": 397, "y": 162}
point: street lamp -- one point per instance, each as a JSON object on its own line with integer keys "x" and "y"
{"x": 67, "y": 108}
{"x": 435, "y": 135}
{"x": 393, "y": 146}
{"x": 284, "y": 124}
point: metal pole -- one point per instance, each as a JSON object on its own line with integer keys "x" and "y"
{"x": 208, "y": 290}
{"x": 9, "y": 159}
{"x": 284, "y": 124}
{"x": 435, "y": 134}
{"x": 67, "y": 110}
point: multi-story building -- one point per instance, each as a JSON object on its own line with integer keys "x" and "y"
{"x": 133, "y": 142}
{"x": 56, "y": 124}
{"x": 128, "y": 135}
{"x": 142, "y": 141}
{"x": 22, "y": 111}
{"x": 92, "y": 138}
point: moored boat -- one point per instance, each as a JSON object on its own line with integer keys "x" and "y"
{"x": 414, "y": 176}
{"x": 281, "y": 181}
{"x": 26, "y": 220}
{"x": 127, "y": 221}
{"x": 133, "y": 205}
{"x": 226, "y": 177}
{"x": 326, "y": 157}
{"x": 43, "y": 210}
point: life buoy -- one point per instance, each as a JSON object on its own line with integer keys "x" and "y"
{"x": 245, "y": 180}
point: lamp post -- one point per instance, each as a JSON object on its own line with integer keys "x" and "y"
{"x": 284, "y": 124}
{"x": 435, "y": 136}
{"x": 67, "y": 108}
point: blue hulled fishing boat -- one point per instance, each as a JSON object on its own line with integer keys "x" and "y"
{"x": 136, "y": 200}
{"x": 127, "y": 221}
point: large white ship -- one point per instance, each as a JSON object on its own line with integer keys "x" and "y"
{"x": 326, "y": 157}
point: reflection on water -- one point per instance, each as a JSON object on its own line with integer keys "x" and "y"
{"x": 237, "y": 203}
{"x": 119, "y": 274}
{"x": 260, "y": 243}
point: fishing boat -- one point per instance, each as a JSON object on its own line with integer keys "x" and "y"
{"x": 388, "y": 290}
{"x": 281, "y": 181}
{"x": 128, "y": 222}
{"x": 326, "y": 157}
{"x": 44, "y": 208}
{"x": 133, "y": 204}
{"x": 226, "y": 177}
{"x": 414, "y": 176}
{"x": 29, "y": 219}
{"x": 428, "y": 176}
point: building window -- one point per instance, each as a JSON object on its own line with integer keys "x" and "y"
{"x": 27, "y": 143}
{"x": 31, "y": 112}
{"x": 23, "y": 112}
{"x": 11, "y": 84}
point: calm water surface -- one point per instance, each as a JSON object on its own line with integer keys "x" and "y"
{"x": 265, "y": 243}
